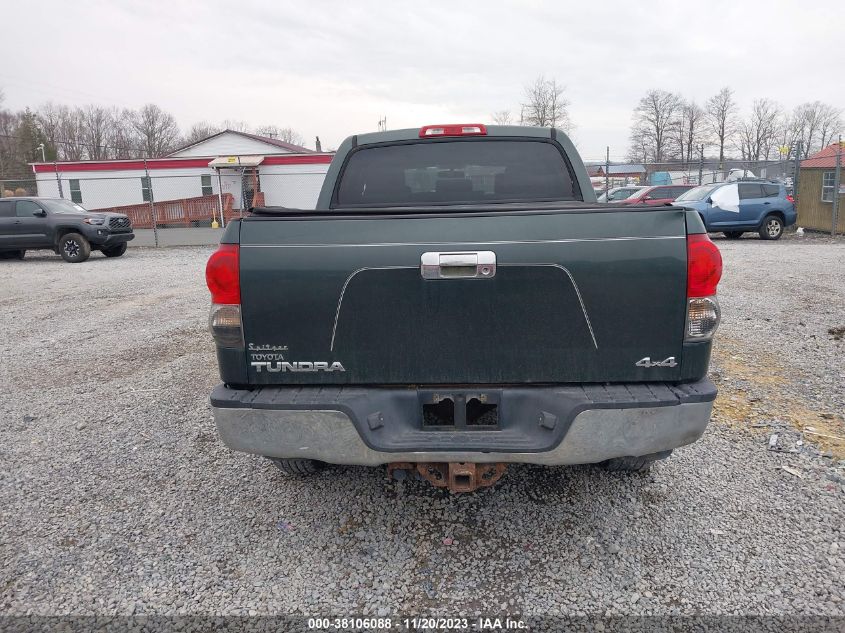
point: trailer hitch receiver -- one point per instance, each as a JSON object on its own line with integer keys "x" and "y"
{"x": 455, "y": 476}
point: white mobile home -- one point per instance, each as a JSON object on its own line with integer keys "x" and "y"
{"x": 228, "y": 171}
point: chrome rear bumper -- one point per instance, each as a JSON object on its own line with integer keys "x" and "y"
{"x": 331, "y": 435}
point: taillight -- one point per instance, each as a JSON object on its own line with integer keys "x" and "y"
{"x": 222, "y": 275}
{"x": 704, "y": 266}
{"x": 790, "y": 198}
{"x": 704, "y": 270}
{"x": 461, "y": 129}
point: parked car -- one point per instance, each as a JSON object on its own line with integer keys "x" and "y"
{"x": 656, "y": 194}
{"x": 619, "y": 193}
{"x": 735, "y": 208}
{"x": 458, "y": 301}
{"x": 61, "y": 226}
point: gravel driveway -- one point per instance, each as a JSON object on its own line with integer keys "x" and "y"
{"x": 118, "y": 498}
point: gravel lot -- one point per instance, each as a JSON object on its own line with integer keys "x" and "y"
{"x": 117, "y": 497}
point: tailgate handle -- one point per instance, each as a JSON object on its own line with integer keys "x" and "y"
{"x": 458, "y": 265}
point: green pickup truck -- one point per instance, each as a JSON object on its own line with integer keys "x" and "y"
{"x": 459, "y": 301}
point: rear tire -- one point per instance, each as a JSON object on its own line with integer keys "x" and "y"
{"x": 115, "y": 251}
{"x": 771, "y": 228}
{"x": 733, "y": 235}
{"x": 633, "y": 464}
{"x": 74, "y": 248}
{"x": 297, "y": 467}
{"x": 20, "y": 254}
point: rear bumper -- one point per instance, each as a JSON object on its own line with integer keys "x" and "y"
{"x": 540, "y": 425}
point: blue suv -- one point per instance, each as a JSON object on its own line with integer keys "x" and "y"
{"x": 735, "y": 208}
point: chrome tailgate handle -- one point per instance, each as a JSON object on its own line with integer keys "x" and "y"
{"x": 458, "y": 265}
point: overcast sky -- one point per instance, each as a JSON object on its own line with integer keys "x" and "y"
{"x": 335, "y": 68}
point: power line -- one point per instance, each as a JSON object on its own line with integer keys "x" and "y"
{"x": 79, "y": 143}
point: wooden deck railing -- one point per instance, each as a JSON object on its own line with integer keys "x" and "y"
{"x": 181, "y": 212}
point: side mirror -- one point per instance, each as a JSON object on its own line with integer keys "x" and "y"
{"x": 648, "y": 198}
{"x": 709, "y": 200}
{"x": 40, "y": 214}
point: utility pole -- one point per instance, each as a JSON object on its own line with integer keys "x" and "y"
{"x": 700, "y": 164}
{"x": 58, "y": 179}
{"x": 606, "y": 175}
{"x": 43, "y": 157}
{"x": 837, "y": 182}
{"x": 796, "y": 169}
{"x": 152, "y": 203}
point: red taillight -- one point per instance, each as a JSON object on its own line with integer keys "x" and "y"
{"x": 222, "y": 274}
{"x": 704, "y": 266}
{"x": 790, "y": 198}
{"x": 459, "y": 129}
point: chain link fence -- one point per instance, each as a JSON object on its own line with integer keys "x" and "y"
{"x": 616, "y": 174}
{"x": 155, "y": 200}
{"x": 212, "y": 198}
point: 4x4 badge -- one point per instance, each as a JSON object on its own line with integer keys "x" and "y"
{"x": 647, "y": 362}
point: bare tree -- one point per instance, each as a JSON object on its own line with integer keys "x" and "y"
{"x": 11, "y": 162}
{"x": 654, "y": 118}
{"x": 805, "y": 124}
{"x": 236, "y": 126}
{"x": 286, "y": 134}
{"x": 289, "y": 135}
{"x": 200, "y": 131}
{"x": 96, "y": 129}
{"x": 124, "y": 141}
{"x": 70, "y": 141}
{"x": 816, "y": 124}
{"x": 830, "y": 125}
{"x": 686, "y": 131}
{"x": 270, "y": 131}
{"x": 502, "y": 117}
{"x": 545, "y": 105}
{"x": 758, "y": 133}
{"x": 784, "y": 137}
{"x": 157, "y": 130}
{"x": 720, "y": 115}
{"x": 638, "y": 148}
{"x": 49, "y": 120}
{"x": 694, "y": 115}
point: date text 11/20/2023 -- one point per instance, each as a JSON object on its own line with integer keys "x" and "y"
{"x": 417, "y": 623}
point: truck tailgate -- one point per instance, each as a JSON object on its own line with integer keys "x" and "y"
{"x": 569, "y": 295}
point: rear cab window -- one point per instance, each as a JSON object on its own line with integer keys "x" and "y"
{"x": 467, "y": 171}
{"x": 7, "y": 208}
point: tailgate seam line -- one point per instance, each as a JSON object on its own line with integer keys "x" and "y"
{"x": 343, "y": 291}
{"x": 577, "y": 293}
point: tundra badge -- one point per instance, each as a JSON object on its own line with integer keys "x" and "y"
{"x": 306, "y": 366}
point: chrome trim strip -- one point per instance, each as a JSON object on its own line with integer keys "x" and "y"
{"x": 563, "y": 241}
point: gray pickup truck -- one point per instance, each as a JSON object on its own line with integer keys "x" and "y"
{"x": 61, "y": 226}
{"x": 459, "y": 301}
